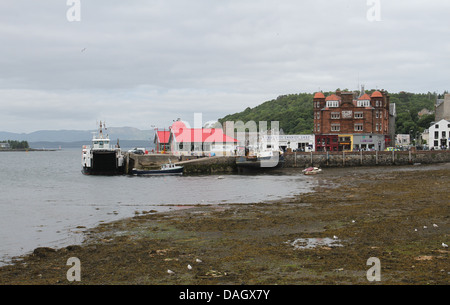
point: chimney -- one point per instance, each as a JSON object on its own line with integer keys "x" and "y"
{"x": 347, "y": 97}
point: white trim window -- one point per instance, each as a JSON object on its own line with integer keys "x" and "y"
{"x": 332, "y": 104}
{"x": 363, "y": 103}
{"x": 359, "y": 127}
{"x": 359, "y": 115}
{"x": 335, "y": 115}
{"x": 335, "y": 127}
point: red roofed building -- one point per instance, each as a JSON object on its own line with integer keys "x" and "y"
{"x": 162, "y": 141}
{"x": 343, "y": 121}
{"x": 183, "y": 140}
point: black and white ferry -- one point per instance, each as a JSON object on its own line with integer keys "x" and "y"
{"x": 101, "y": 158}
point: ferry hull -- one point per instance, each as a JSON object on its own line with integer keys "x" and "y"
{"x": 89, "y": 171}
{"x": 101, "y": 158}
{"x": 103, "y": 163}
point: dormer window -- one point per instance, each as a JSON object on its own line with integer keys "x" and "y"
{"x": 363, "y": 103}
{"x": 332, "y": 103}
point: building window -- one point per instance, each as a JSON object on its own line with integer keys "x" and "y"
{"x": 443, "y": 134}
{"x": 436, "y": 134}
{"x": 363, "y": 103}
{"x": 359, "y": 115}
{"x": 332, "y": 103}
{"x": 335, "y": 115}
{"x": 335, "y": 127}
{"x": 358, "y": 127}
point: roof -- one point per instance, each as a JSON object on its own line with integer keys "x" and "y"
{"x": 377, "y": 94}
{"x": 364, "y": 97}
{"x": 163, "y": 136}
{"x": 319, "y": 95}
{"x": 333, "y": 97}
{"x": 204, "y": 135}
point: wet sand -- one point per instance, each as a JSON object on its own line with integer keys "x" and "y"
{"x": 399, "y": 215}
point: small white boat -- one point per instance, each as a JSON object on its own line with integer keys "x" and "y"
{"x": 312, "y": 171}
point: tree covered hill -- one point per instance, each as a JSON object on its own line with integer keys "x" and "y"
{"x": 294, "y": 112}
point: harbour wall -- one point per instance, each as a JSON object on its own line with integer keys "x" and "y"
{"x": 364, "y": 158}
{"x": 191, "y": 164}
{"x": 227, "y": 164}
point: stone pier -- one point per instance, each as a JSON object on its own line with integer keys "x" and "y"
{"x": 227, "y": 164}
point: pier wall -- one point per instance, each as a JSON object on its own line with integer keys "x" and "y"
{"x": 192, "y": 164}
{"x": 364, "y": 158}
{"x": 210, "y": 165}
{"x": 227, "y": 164}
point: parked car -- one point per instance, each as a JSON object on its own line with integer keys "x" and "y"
{"x": 137, "y": 151}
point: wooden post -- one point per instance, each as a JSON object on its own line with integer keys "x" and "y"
{"x": 360, "y": 153}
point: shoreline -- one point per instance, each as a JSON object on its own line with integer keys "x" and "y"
{"x": 256, "y": 243}
{"x": 29, "y": 149}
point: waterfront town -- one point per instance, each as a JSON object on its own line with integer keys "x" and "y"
{"x": 344, "y": 121}
{"x": 249, "y": 143}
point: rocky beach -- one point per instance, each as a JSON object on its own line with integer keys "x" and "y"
{"x": 397, "y": 214}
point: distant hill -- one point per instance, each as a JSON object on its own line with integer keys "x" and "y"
{"x": 124, "y": 144}
{"x": 294, "y": 112}
{"x": 121, "y": 133}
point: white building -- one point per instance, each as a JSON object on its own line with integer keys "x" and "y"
{"x": 301, "y": 142}
{"x": 4, "y": 145}
{"x": 439, "y": 135}
{"x": 402, "y": 139}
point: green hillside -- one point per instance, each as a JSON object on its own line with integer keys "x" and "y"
{"x": 294, "y": 112}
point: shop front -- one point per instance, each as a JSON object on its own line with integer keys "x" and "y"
{"x": 327, "y": 142}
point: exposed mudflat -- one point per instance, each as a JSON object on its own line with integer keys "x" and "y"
{"x": 399, "y": 215}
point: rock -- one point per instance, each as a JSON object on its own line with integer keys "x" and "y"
{"x": 43, "y": 251}
{"x": 73, "y": 248}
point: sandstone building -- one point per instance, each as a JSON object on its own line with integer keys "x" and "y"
{"x": 345, "y": 121}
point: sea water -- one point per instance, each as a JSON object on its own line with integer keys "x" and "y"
{"x": 45, "y": 200}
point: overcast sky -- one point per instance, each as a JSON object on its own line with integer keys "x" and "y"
{"x": 144, "y": 63}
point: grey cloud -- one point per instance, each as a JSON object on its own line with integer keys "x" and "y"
{"x": 138, "y": 62}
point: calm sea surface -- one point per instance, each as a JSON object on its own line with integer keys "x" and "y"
{"x": 44, "y": 197}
